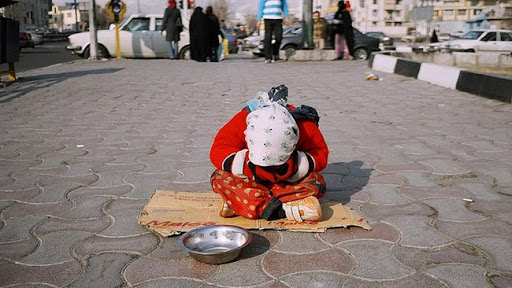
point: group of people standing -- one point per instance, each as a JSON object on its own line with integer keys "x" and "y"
{"x": 204, "y": 35}
{"x": 275, "y": 12}
{"x": 204, "y": 32}
{"x": 341, "y": 31}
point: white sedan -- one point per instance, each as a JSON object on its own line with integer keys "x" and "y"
{"x": 484, "y": 40}
{"x": 139, "y": 37}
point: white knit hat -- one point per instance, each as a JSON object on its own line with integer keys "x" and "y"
{"x": 271, "y": 135}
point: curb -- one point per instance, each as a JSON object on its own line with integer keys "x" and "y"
{"x": 486, "y": 85}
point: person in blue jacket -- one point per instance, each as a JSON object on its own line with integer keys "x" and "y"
{"x": 272, "y": 12}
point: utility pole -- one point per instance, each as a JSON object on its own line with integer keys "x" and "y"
{"x": 76, "y": 17}
{"x": 93, "y": 47}
{"x": 185, "y": 12}
{"x": 307, "y": 24}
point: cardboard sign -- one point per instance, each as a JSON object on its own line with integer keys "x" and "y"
{"x": 171, "y": 212}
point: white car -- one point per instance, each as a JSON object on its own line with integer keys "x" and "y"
{"x": 139, "y": 37}
{"x": 484, "y": 40}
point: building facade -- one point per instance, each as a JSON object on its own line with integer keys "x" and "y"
{"x": 388, "y": 16}
{"x": 461, "y": 15}
{"x": 67, "y": 18}
{"x": 29, "y": 13}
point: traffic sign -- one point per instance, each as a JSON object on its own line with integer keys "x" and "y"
{"x": 116, "y": 10}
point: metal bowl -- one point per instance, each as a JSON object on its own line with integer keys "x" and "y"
{"x": 215, "y": 244}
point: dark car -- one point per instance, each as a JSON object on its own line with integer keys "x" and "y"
{"x": 383, "y": 38}
{"x": 290, "y": 36}
{"x": 292, "y": 40}
{"x": 364, "y": 45}
{"x": 237, "y": 32}
{"x": 232, "y": 42}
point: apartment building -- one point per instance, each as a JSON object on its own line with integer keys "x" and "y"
{"x": 67, "y": 18}
{"x": 461, "y": 15}
{"x": 388, "y": 16}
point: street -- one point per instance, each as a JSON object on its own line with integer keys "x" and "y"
{"x": 85, "y": 145}
{"x": 47, "y": 54}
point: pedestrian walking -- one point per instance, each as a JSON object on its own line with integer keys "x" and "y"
{"x": 213, "y": 35}
{"x": 343, "y": 33}
{"x": 172, "y": 25}
{"x": 268, "y": 159}
{"x": 319, "y": 30}
{"x": 272, "y": 12}
{"x": 198, "y": 30}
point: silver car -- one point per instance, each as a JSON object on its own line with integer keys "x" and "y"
{"x": 292, "y": 39}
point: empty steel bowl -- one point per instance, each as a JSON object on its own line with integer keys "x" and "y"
{"x": 215, "y": 244}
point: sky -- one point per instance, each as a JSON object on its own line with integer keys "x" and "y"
{"x": 157, "y": 6}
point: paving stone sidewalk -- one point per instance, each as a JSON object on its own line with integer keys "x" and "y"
{"x": 84, "y": 145}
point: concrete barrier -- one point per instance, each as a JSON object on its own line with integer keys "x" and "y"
{"x": 309, "y": 55}
{"x": 445, "y": 76}
{"x": 482, "y": 84}
{"x": 472, "y": 61}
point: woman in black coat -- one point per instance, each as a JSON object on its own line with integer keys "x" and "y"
{"x": 172, "y": 25}
{"x": 345, "y": 31}
{"x": 199, "y": 35}
{"x": 214, "y": 34}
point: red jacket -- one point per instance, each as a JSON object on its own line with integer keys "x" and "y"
{"x": 229, "y": 150}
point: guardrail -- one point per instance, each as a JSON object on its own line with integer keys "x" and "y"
{"x": 483, "y": 84}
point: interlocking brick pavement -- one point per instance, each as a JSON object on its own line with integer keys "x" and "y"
{"x": 84, "y": 145}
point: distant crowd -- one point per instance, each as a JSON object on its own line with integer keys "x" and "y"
{"x": 206, "y": 36}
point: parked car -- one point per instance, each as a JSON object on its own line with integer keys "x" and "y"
{"x": 37, "y": 38}
{"x": 364, "y": 45}
{"x": 251, "y": 43}
{"x": 139, "y": 37}
{"x": 457, "y": 34}
{"x": 26, "y": 40}
{"x": 292, "y": 40}
{"x": 237, "y": 32}
{"x": 443, "y": 37}
{"x": 383, "y": 38}
{"x": 36, "y": 33}
{"x": 232, "y": 42}
{"x": 487, "y": 40}
{"x": 414, "y": 37}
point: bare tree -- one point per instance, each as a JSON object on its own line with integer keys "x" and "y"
{"x": 250, "y": 21}
{"x": 102, "y": 18}
{"x": 221, "y": 8}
